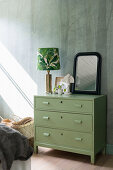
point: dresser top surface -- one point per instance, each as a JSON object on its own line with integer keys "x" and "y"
{"x": 72, "y": 96}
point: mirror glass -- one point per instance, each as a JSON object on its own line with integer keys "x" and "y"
{"x": 86, "y": 73}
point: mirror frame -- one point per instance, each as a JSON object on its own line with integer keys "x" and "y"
{"x": 98, "y": 78}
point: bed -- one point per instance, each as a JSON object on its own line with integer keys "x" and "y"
{"x": 20, "y": 165}
{"x": 15, "y": 150}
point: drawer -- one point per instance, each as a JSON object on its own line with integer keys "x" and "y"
{"x": 63, "y": 138}
{"x": 76, "y": 122}
{"x": 53, "y": 104}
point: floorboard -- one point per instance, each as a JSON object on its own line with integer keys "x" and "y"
{"x": 49, "y": 159}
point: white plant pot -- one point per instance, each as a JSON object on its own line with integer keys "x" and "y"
{"x": 60, "y": 91}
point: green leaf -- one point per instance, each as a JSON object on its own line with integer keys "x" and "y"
{"x": 48, "y": 59}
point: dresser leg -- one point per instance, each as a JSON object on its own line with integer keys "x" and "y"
{"x": 35, "y": 148}
{"x": 104, "y": 151}
{"x": 92, "y": 159}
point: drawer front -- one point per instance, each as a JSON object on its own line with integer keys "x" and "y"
{"x": 76, "y": 122}
{"x": 80, "y": 106}
{"x": 64, "y": 138}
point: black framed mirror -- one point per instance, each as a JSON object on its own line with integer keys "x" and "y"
{"x": 87, "y": 73}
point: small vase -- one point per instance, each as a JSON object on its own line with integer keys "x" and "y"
{"x": 60, "y": 91}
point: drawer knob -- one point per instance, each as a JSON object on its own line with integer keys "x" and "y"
{"x": 78, "y": 139}
{"x": 78, "y": 105}
{"x": 46, "y": 134}
{"x": 78, "y": 121}
{"x": 46, "y": 103}
{"x": 45, "y": 117}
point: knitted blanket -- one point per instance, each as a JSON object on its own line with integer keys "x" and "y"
{"x": 13, "y": 146}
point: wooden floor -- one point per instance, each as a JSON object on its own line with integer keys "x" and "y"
{"x": 48, "y": 159}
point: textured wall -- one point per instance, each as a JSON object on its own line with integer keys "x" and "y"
{"x": 71, "y": 25}
{"x": 1, "y": 107}
{"x": 109, "y": 68}
{"x": 16, "y": 56}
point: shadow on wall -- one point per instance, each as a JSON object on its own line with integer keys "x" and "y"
{"x": 17, "y": 88}
{"x": 1, "y": 107}
{"x": 5, "y": 110}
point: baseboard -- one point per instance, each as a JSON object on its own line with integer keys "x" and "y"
{"x": 109, "y": 149}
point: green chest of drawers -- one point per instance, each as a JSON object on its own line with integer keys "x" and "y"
{"x": 75, "y": 123}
